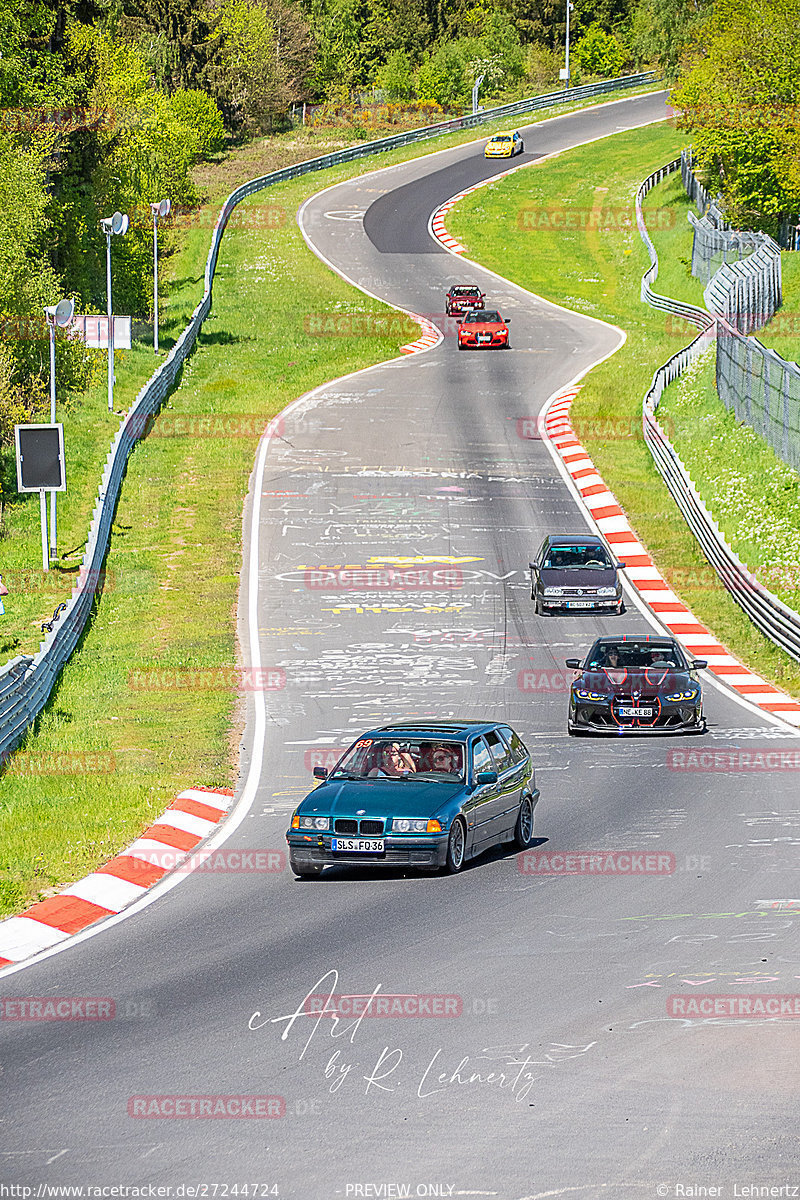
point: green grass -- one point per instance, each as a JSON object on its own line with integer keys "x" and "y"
{"x": 106, "y": 756}
{"x": 596, "y": 268}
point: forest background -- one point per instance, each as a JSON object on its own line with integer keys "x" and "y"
{"x": 110, "y": 104}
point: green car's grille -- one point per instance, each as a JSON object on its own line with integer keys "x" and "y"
{"x": 369, "y": 828}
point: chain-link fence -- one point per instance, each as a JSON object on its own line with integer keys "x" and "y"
{"x": 750, "y": 379}
{"x": 748, "y": 293}
{"x": 714, "y": 246}
{"x": 763, "y": 390}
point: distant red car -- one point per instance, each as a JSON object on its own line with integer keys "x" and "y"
{"x": 463, "y": 297}
{"x": 483, "y": 331}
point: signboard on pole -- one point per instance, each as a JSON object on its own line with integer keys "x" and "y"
{"x": 40, "y": 458}
{"x": 93, "y": 330}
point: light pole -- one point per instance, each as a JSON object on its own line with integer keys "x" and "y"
{"x": 564, "y": 73}
{"x": 111, "y": 225}
{"x": 58, "y": 317}
{"x": 160, "y": 209}
{"x": 475, "y": 91}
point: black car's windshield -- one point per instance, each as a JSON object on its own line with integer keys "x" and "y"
{"x": 636, "y": 656}
{"x": 484, "y": 317}
{"x": 567, "y": 558}
{"x": 402, "y": 758}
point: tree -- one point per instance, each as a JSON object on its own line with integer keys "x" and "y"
{"x": 396, "y": 77}
{"x": 660, "y": 31}
{"x": 442, "y": 76}
{"x": 740, "y": 97}
{"x": 184, "y": 30}
{"x": 599, "y": 53}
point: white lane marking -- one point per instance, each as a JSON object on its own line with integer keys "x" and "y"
{"x": 241, "y": 807}
{"x": 427, "y": 329}
{"x": 245, "y": 802}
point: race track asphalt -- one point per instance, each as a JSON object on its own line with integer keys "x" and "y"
{"x": 564, "y": 1073}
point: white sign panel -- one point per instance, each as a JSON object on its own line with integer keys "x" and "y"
{"x": 93, "y": 330}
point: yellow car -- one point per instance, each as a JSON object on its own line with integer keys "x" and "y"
{"x": 504, "y": 145}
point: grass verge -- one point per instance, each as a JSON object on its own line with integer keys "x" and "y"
{"x": 595, "y": 267}
{"x": 146, "y": 706}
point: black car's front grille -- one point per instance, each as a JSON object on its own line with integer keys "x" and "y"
{"x": 368, "y": 828}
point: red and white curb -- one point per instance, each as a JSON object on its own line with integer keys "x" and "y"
{"x": 429, "y": 337}
{"x": 121, "y": 881}
{"x": 436, "y": 224}
{"x": 644, "y": 575}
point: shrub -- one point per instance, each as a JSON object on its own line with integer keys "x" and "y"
{"x": 198, "y": 115}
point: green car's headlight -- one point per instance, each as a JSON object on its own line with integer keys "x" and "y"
{"x": 315, "y": 822}
{"x": 416, "y": 825}
{"x": 410, "y": 825}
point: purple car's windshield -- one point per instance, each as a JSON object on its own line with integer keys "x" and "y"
{"x": 402, "y": 758}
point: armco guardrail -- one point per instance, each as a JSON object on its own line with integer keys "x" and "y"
{"x": 25, "y": 682}
{"x": 780, "y": 623}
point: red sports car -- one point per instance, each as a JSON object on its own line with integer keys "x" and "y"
{"x": 484, "y": 330}
{"x": 462, "y": 297}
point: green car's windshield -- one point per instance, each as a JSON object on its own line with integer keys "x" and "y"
{"x": 402, "y": 758}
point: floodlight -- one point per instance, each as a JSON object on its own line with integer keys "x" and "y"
{"x": 62, "y": 314}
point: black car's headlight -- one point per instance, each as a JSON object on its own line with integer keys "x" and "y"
{"x": 583, "y": 694}
{"x": 689, "y": 694}
{"x": 314, "y": 823}
{"x": 607, "y": 591}
{"x": 553, "y": 591}
{"x": 416, "y": 825}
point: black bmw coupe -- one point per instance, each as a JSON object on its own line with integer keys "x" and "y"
{"x": 636, "y": 684}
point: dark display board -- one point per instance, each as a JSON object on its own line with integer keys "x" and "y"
{"x": 40, "y": 458}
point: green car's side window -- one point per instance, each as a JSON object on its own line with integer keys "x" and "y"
{"x": 481, "y": 758}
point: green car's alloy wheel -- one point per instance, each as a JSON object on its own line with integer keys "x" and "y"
{"x": 456, "y": 845}
{"x": 523, "y": 830}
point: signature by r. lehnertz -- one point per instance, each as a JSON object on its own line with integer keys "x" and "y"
{"x": 501, "y": 1068}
